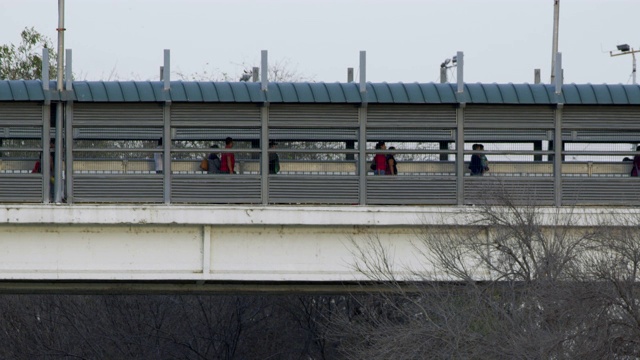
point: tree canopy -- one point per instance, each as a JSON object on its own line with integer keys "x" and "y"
{"x": 24, "y": 61}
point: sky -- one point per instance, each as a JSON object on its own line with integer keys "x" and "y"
{"x": 405, "y": 40}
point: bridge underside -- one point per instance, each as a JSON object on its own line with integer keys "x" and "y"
{"x": 124, "y": 249}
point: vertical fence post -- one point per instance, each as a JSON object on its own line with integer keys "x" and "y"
{"x": 45, "y": 159}
{"x": 460, "y": 128}
{"x": 460, "y": 153}
{"x": 558, "y": 74}
{"x": 264, "y": 130}
{"x": 558, "y": 146}
{"x": 68, "y": 127}
{"x": 166, "y": 129}
{"x": 362, "y": 134}
{"x": 60, "y": 106}
{"x": 460, "y": 70}
{"x": 557, "y": 162}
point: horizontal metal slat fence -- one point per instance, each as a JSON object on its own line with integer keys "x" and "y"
{"x": 215, "y": 189}
{"x": 601, "y": 117}
{"x": 21, "y": 114}
{"x": 117, "y": 115}
{"x": 313, "y": 189}
{"x": 411, "y": 116}
{"x": 340, "y": 123}
{"x": 215, "y": 115}
{"x": 601, "y": 191}
{"x": 143, "y": 188}
{"x": 522, "y": 116}
{"x": 411, "y": 190}
{"x": 312, "y": 115}
{"x": 18, "y": 121}
{"x": 21, "y": 187}
{"x": 481, "y": 190}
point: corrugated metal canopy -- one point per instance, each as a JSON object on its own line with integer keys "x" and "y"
{"x": 330, "y": 93}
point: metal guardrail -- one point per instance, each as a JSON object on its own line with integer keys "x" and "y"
{"x": 523, "y": 168}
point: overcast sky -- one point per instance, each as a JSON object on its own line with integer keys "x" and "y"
{"x": 406, "y": 40}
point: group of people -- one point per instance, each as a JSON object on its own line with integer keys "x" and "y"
{"x": 479, "y": 163}
{"x": 384, "y": 164}
{"x": 225, "y": 164}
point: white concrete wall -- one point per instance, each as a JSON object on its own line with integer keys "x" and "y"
{"x": 211, "y": 243}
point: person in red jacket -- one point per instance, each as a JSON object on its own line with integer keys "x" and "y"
{"x": 228, "y": 159}
{"x": 380, "y": 160}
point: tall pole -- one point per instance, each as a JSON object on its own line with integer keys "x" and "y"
{"x": 59, "y": 107}
{"x": 60, "y": 30}
{"x": 633, "y": 53}
{"x": 554, "y": 50}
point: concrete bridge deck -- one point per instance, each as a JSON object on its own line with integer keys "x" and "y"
{"x": 85, "y": 247}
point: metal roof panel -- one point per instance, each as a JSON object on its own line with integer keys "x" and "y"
{"x": 83, "y": 91}
{"x": 289, "y": 94}
{"x": 524, "y": 94}
{"x": 193, "y": 91}
{"x": 208, "y": 91}
{"x": 352, "y": 92}
{"x": 493, "y": 93}
{"x": 225, "y": 94}
{"x": 447, "y": 93}
{"x": 633, "y": 94}
{"x": 303, "y": 90}
{"x": 255, "y": 92}
{"x": 414, "y": 94}
{"x": 145, "y": 91}
{"x": 98, "y": 91}
{"x": 399, "y": 93}
{"x": 382, "y": 92}
{"x": 587, "y": 95}
{"x": 177, "y": 92}
{"x": 34, "y": 89}
{"x": 618, "y": 95}
{"x": 158, "y": 91}
{"x": 273, "y": 93}
{"x": 540, "y": 94}
{"x": 5, "y": 91}
{"x": 336, "y": 94}
{"x": 429, "y": 93}
{"x": 476, "y": 93}
{"x": 240, "y": 92}
{"x": 320, "y": 93}
{"x": 603, "y": 96}
{"x": 19, "y": 90}
{"x": 114, "y": 91}
{"x": 509, "y": 94}
{"x": 553, "y": 97}
{"x": 129, "y": 91}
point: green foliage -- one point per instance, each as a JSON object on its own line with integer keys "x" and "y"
{"x": 25, "y": 60}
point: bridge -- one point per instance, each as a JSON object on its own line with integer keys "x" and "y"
{"x": 120, "y": 222}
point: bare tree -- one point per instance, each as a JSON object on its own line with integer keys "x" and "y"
{"x": 512, "y": 281}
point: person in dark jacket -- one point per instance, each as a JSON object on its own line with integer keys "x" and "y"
{"x": 476, "y": 166}
{"x": 636, "y": 163}
{"x": 274, "y": 159}
{"x": 392, "y": 163}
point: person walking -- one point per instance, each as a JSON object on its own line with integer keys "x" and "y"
{"x": 228, "y": 158}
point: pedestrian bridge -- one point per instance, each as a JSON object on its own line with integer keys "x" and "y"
{"x": 115, "y": 219}
{"x": 124, "y": 248}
